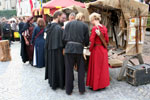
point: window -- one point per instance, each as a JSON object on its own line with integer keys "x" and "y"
{"x": 13, "y": 7}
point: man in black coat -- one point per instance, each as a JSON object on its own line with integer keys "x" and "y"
{"x": 21, "y": 25}
{"x": 76, "y": 36}
{"x": 54, "y": 59}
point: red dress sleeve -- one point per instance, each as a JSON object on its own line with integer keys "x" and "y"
{"x": 92, "y": 38}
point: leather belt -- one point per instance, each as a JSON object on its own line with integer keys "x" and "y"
{"x": 98, "y": 44}
{"x": 74, "y": 42}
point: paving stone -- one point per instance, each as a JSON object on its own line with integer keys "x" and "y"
{"x": 20, "y": 81}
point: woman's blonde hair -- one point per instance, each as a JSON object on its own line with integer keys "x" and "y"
{"x": 80, "y": 16}
{"x": 41, "y": 23}
{"x": 95, "y": 16}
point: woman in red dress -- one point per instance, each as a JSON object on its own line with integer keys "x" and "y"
{"x": 98, "y": 71}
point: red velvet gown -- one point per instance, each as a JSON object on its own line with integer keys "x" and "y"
{"x": 98, "y": 70}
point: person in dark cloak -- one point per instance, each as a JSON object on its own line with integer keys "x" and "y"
{"x": 27, "y": 47}
{"x": 21, "y": 25}
{"x": 55, "y": 68}
{"x": 23, "y": 50}
{"x": 76, "y": 36}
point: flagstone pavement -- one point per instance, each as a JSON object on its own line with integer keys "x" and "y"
{"x": 20, "y": 81}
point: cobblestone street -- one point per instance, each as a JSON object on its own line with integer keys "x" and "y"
{"x": 20, "y": 81}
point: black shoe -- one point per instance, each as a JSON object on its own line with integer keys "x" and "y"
{"x": 54, "y": 88}
{"x": 69, "y": 93}
{"x": 90, "y": 88}
{"x": 31, "y": 62}
{"x": 82, "y": 93}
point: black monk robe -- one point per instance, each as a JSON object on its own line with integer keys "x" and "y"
{"x": 24, "y": 54}
{"x": 55, "y": 68}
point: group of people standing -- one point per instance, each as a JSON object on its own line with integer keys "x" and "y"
{"x": 7, "y": 29}
{"x": 32, "y": 41}
{"x": 64, "y": 49}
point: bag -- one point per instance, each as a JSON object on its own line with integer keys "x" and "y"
{"x": 102, "y": 39}
{"x": 6, "y": 30}
{"x": 41, "y": 31}
{"x": 16, "y": 35}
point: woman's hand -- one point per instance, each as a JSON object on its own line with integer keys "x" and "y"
{"x": 27, "y": 43}
{"x": 98, "y": 32}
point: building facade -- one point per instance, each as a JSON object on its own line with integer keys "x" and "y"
{"x": 8, "y": 4}
{"x": 24, "y": 8}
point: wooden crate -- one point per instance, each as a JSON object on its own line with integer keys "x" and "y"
{"x": 4, "y": 51}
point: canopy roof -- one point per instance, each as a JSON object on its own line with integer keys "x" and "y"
{"x": 77, "y": 9}
{"x": 130, "y": 8}
{"x": 108, "y": 4}
{"x": 62, "y": 3}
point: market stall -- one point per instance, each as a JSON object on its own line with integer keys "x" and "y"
{"x": 53, "y": 5}
{"x": 37, "y": 12}
{"x": 126, "y": 23}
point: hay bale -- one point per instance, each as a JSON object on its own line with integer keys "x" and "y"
{"x": 4, "y": 51}
{"x": 115, "y": 63}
